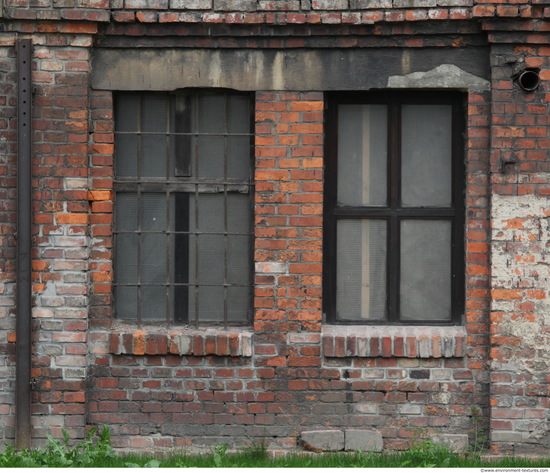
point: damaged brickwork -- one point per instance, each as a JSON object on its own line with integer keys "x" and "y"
{"x": 288, "y": 373}
{"x": 520, "y": 313}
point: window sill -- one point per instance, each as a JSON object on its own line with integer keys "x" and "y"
{"x": 128, "y": 340}
{"x": 393, "y": 341}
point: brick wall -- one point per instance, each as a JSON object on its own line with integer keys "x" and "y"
{"x": 7, "y": 240}
{"x": 61, "y": 240}
{"x": 520, "y": 276}
{"x": 271, "y": 11}
{"x": 60, "y": 232}
{"x": 520, "y": 308}
{"x": 287, "y": 373}
{"x": 290, "y": 379}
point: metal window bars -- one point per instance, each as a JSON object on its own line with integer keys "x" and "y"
{"x": 194, "y": 149}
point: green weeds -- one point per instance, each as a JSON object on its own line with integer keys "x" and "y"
{"x": 96, "y": 451}
{"x": 479, "y": 439}
{"x": 426, "y": 454}
{"x": 59, "y": 452}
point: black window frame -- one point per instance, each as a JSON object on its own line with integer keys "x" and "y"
{"x": 394, "y": 212}
{"x": 182, "y": 183}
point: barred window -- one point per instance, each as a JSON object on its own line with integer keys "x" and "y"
{"x": 394, "y": 209}
{"x": 183, "y": 206}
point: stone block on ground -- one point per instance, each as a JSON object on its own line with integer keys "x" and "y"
{"x": 323, "y": 440}
{"x": 364, "y": 440}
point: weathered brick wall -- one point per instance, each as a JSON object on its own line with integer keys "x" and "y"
{"x": 148, "y": 393}
{"x": 289, "y": 379}
{"x": 520, "y": 275}
{"x": 7, "y": 239}
{"x": 520, "y": 314}
{"x": 61, "y": 101}
{"x": 287, "y": 373}
{"x": 60, "y": 261}
{"x": 60, "y": 229}
{"x": 271, "y": 11}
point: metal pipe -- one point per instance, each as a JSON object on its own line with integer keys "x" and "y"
{"x": 529, "y": 80}
{"x": 24, "y": 245}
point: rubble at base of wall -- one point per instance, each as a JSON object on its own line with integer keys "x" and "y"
{"x": 368, "y": 440}
{"x": 338, "y": 440}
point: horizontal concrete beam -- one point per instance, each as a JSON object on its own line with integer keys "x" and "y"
{"x": 306, "y": 70}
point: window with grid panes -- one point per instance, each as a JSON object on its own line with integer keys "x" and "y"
{"x": 394, "y": 209}
{"x": 183, "y": 190}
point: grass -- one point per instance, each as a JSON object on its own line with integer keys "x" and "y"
{"x": 96, "y": 451}
{"x": 335, "y": 460}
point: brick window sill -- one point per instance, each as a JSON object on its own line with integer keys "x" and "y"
{"x": 129, "y": 340}
{"x": 393, "y": 341}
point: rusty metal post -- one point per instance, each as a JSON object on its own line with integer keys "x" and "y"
{"x": 24, "y": 245}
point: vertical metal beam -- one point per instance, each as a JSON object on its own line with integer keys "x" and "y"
{"x": 24, "y": 244}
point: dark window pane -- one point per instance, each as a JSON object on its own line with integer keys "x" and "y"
{"x": 211, "y": 259}
{"x": 126, "y": 298}
{"x": 210, "y": 213}
{"x": 362, "y": 154}
{"x": 211, "y": 303}
{"x": 153, "y": 258}
{"x": 153, "y": 212}
{"x": 154, "y": 155}
{"x": 238, "y": 220}
{"x": 127, "y": 112}
{"x": 361, "y": 270}
{"x": 211, "y": 154}
{"x": 239, "y": 114}
{"x": 237, "y": 303}
{"x": 154, "y": 113}
{"x": 238, "y": 157}
{"x": 126, "y": 162}
{"x": 238, "y": 264}
{"x": 153, "y": 302}
{"x": 426, "y": 156}
{"x": 184, "y": 144}
{"x": 425, "y": 286}
{"x": 126, "y": 212}
{"x": 212, "y": 114}
{"x": 193, "y": 265}
{"x": 154, "y": 147}
{"x": 126, "y": 258}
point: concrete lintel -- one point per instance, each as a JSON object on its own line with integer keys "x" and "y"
{"x": 297, "y": 69}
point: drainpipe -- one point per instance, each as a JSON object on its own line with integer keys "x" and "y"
{"x": 24, "y": 246}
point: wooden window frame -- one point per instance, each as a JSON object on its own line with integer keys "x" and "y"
{"x": 394, "y": 212}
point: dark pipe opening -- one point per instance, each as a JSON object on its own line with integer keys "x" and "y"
{"x": 529, "y": 79}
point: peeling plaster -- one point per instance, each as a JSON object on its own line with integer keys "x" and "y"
{"x": 444, "y": 76}
{"x": 519, "y": 255}
{"x": 541, "y": 433}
